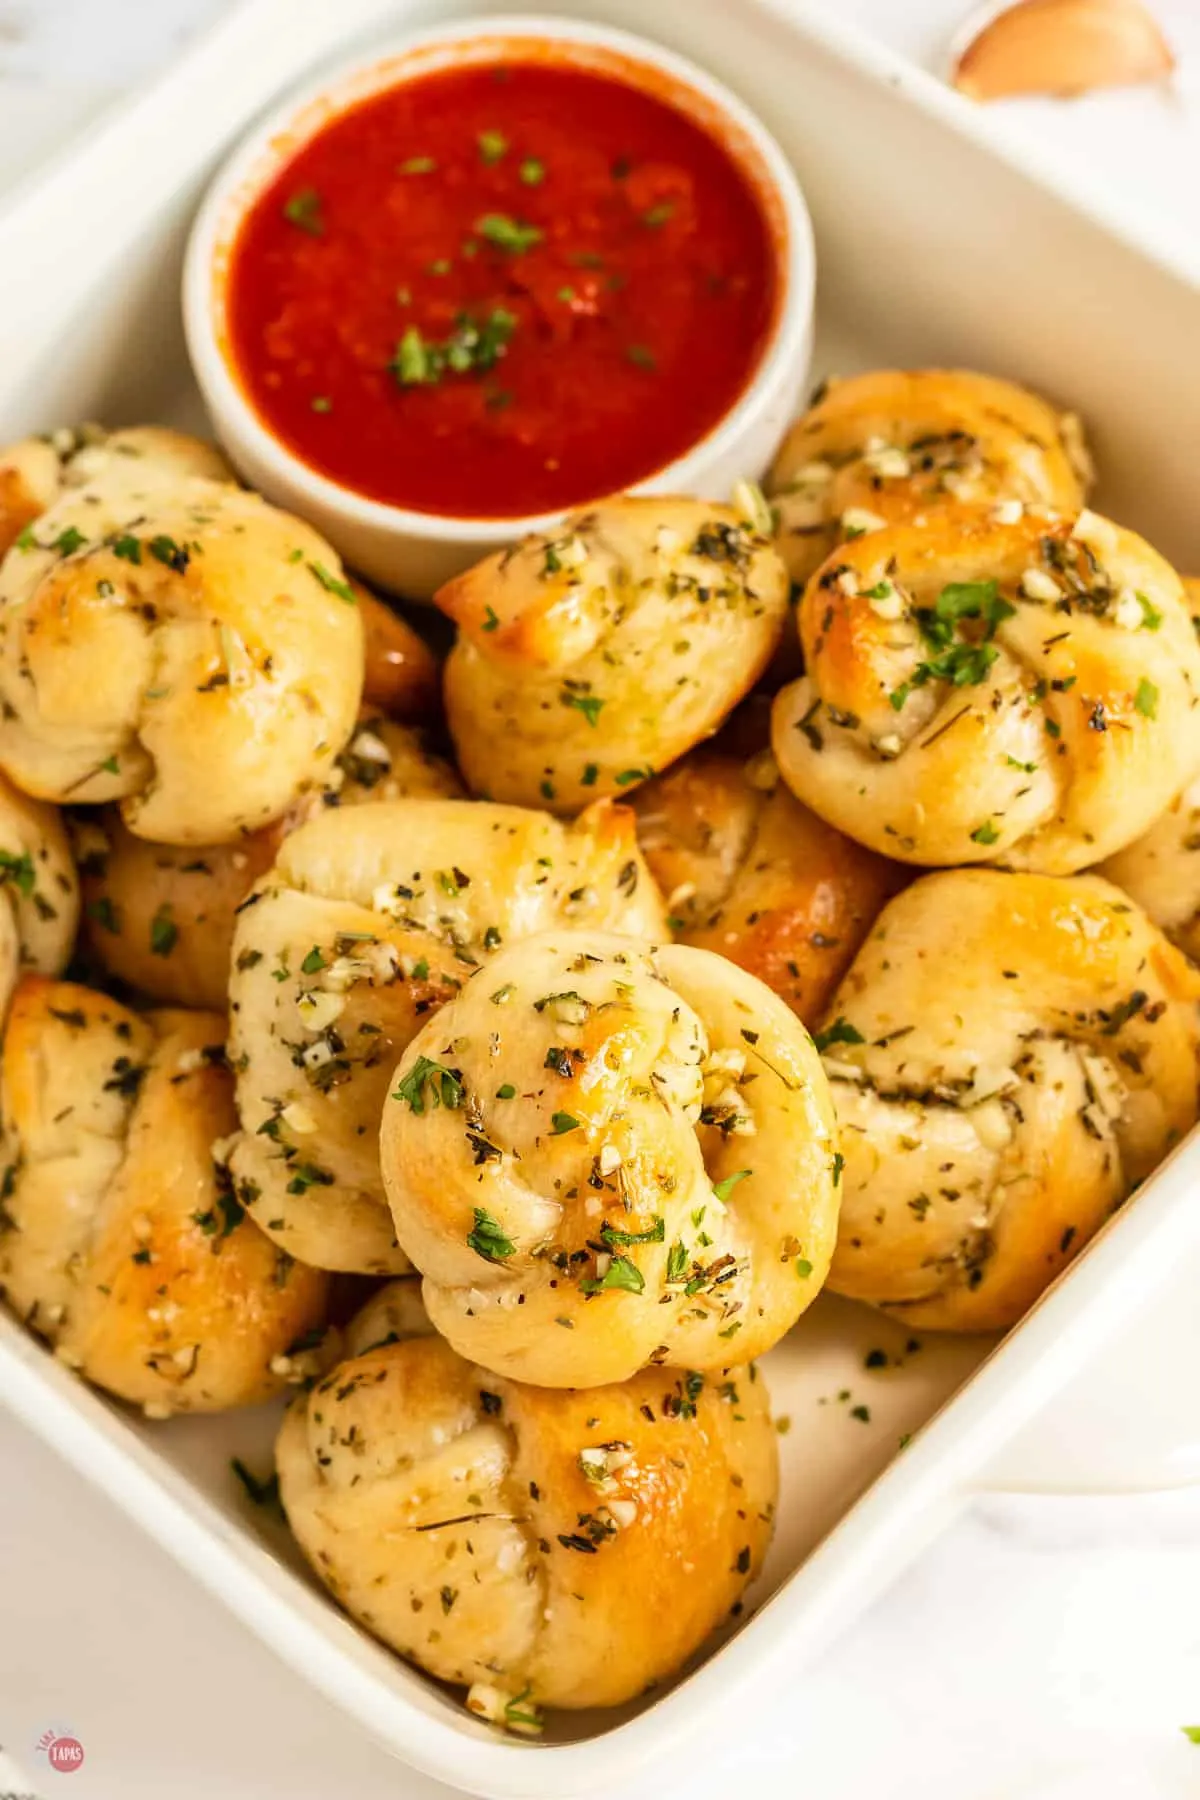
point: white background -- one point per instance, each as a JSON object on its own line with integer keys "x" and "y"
{"x": 1046, "y": 1649}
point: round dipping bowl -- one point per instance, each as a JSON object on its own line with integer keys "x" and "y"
{"x": 402, "y": 547}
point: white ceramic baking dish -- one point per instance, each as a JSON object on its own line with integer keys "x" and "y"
{"x": 936, "y": 243}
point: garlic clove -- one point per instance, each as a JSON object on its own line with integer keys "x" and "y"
{"x": 1062, "y": 47}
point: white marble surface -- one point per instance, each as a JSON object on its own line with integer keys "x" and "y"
{"x": 1045, "y": 1649}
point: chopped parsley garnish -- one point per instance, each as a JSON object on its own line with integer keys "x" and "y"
{"x": 588, "y": 704}
{"x": 1146, "y": 699}
{"x": 620, "y": 1274}
{"x": 985, "y": 833}
{"x": 430, "y": 1079}
{"x": 723, "y": 1189}
{"x": 105, "y": 913}
{"x": 164, "y": 933}
{"x": 533, "y": 172}
{"x": 521, "y": 1713}
{"x": 840, "y": 1032}
{"x": 1119, "y": 1016}
{"x": 306, "y": 1175}
{"x": 1151, "y": 617}
{"x": 303, "y": 210}
{"x": 313, "y": 962}
{"x": 659, "y": 214}
{"x": 839, "y": 1163}
{"x": 493, "y": 146}
{"x": 474, "y": 345}
{"x": 506, "y": 1092}
{"x": 482, "y": 1148}
{"x": 612, "y": 1234}
{"x": 570, "y": 1006}
{"x": 25, "y": 539}
{"x": 1026, "y": 768}
{"x": 418, "y": 165}
{"x": 264, "y": 1492}
{"x": 508, "y": 234}
{"x": 963, "y": 600}
{"x": 69, "y": 540}
{"x": 803, "y": 1268}
{"x": 331, "y": 583}
{"x": 677, "y": 1259}
{"x": 19, "y": 871}
{"x": 575, "y": 1540}
{"x": 964, "y": 665}
{"x": 223, "y": 1218}
{"x": 958, "y": 661}
{"x": 682, "y": 1403}
{"x": 491, "y": 618}
{"x": 562, "y": 1122}
{"x": 627, "y": 776}
{"x": 165, "y": 550}
{"x": 127, "y": 548}
{"x": 487, "y": 1239}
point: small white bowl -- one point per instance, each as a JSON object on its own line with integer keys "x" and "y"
{"x": 414, "y": 552}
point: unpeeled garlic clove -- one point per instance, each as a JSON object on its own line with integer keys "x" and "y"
{"x": 1062, "y": 47}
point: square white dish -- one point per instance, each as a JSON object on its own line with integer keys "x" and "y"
{"x": 933, "y": 246}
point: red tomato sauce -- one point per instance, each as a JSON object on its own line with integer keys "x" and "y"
{"x": 501, "y": 290}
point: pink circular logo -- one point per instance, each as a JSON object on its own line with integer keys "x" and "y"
{"x": 65, "y": 1754}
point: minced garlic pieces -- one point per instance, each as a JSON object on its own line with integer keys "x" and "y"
{"x": 857, "y": 520}
{"x": 1037, "y": 585}
{"x": 318, "y": 1008}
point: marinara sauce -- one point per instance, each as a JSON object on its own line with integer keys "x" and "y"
{"x": 501, "y": 290}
